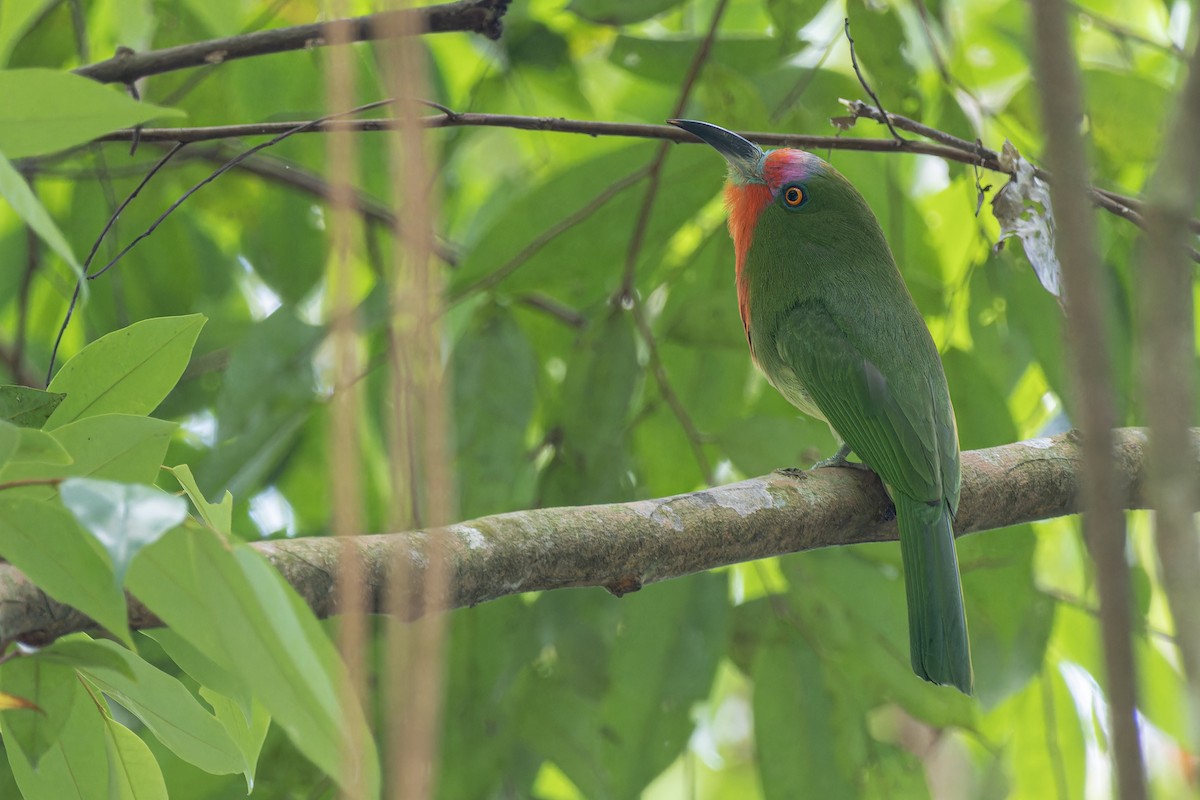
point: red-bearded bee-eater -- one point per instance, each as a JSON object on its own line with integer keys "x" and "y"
{"x": 831, "y": 324}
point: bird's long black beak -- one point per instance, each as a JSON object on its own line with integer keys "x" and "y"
{"x": 743, "y": 155}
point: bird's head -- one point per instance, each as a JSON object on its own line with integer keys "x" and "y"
{"x": 796, "y": 183}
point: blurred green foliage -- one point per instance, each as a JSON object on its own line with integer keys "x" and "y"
{"x": 780, "y": 679}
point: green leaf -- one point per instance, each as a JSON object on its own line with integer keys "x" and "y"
{"x": 248, "y": 732}
{"x": 115, "y": 447}
{"x": 795, "y": 717}
{"x": 10, "y": 440}
{"x": 15, "y": 21}
{"x": 169, "y": 710}
{"x": 26, "y": 407}
{"x": 124, "y": 517}
{"x": 23, "y": 201}
{"x": 76, "y": 767}
{"x": 81, "y": 650}
{"x": 487, "y": 649}
{"x": 52, "y": 688}
{"x": 203, "y": 669}
{"x": 495, "y": 377}
{"x": 128, "y": 371}
{"x": 46, "y": 111}
{"x": 45, "y": 542}
{"x": 41, "y": 448}
{"x": 266, "y": 396}
{"x": 218, "y": 516}
{"x": 133, "y": 773}
{"x": 238, "y": 610}
{"x": 592, "y": 460}
{"x": 662, "y": 663}
{"x": 619, "y": 12}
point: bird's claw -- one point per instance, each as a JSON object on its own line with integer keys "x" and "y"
{"x": 838, "y": 459}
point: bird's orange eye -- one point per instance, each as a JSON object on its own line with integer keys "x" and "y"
{"x": 794, "y": 196}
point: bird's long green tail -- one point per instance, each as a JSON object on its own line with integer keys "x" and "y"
{"x": 937, "y": 625}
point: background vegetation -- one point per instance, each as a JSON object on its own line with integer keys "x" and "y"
{"x": 594, "y": 355}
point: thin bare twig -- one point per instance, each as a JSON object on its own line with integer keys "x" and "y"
{"x": 1086, "y": 286}
{"x": 642, "y": 222}
{"x": 548, "y": 305}
{"x": 87, "y": 262}
{"x": 477, "y": 16}
{"x": 867, "y": 87}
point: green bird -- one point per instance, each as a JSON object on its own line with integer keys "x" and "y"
{"x": 831, "y": 324}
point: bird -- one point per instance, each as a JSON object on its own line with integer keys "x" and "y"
{"x": 832, "y": 326}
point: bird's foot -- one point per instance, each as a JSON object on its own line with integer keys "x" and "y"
{"x": 838, "y": 459}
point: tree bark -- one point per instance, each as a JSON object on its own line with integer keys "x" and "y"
{"x": 623, "y": 546}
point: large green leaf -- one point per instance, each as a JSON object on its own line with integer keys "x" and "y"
{"x": 46, "y": 111}
{"x": 168, "y": 710}
{"x": 128, "y": 371}
{"x": 124, "y": 517}
{"x": 795, "y": 720}
{"x": 593, "y": 411}
{"x": 662, "y": 662}
{"x": 494, "y": 391}
{"x": 46, "y": 543}
{"x": 266, "y": 395}
{"x": 237, "y": 609}
{"x": 487, "y": 649}
{"x": 663, "y": 646}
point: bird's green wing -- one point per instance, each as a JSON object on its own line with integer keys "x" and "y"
{"x": 885, "y": 412}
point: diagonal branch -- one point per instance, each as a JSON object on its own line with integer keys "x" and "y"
{"x": 477, "y": 16}
{"x": 626, "y": 545}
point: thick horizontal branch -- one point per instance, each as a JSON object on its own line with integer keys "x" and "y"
{"x": 477, "y": 16}
{"x": 624, "y": 546}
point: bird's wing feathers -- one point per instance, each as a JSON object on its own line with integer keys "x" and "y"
{"x": 891, "y": 428}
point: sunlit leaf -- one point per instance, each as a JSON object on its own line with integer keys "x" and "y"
{"x": 128, "y": 371}
{"x": 616, "y": 12}
{"x": 46, "y": 111}
{"x": 16, "y": 191}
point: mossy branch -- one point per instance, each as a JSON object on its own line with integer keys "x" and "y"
{"x": 623, "y": 546}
